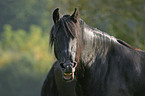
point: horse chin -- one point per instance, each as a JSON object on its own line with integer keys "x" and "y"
{"x": 68, "y": 77}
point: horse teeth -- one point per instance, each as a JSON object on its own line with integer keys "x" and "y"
{"x": 67, "y": 73}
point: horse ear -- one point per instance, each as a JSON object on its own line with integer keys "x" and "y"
{"x": 75, "y": 15}
{"x": 56, "y": 15}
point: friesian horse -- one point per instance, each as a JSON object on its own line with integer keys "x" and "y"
{"x": 91, "y": 62}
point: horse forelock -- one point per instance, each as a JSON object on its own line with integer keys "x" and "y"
{"x": 70, "y": 28}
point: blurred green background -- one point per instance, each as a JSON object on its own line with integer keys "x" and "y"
{"x": 25, "y": 55}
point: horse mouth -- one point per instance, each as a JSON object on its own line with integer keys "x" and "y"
{"x": 68, "y": 76}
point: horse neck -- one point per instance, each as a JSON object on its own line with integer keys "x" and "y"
{"x": 95, "y": 44}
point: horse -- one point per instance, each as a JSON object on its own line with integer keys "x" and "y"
{"x": 91, "y": 62}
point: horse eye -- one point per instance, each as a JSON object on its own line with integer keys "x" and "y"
{"x": 62, "y": 65}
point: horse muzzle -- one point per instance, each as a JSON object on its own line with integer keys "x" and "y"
{"x": 68, "y": 70}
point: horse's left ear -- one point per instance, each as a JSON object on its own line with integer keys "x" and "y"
{"x": 75, "y": 15}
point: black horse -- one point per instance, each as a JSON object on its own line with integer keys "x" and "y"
{"x": 91, "y": 62}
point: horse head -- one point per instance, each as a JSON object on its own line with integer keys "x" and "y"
{"x": 64, "y": 38}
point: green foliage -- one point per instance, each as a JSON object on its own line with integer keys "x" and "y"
{"x": 20, "y": 14}
{"x": 24, "y": 61}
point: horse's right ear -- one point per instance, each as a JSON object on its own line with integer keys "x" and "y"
{"x": 75, "y": 15}
{"x": 56, "y": 15}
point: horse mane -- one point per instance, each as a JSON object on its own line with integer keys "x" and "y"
{"x": 69, "y": 27}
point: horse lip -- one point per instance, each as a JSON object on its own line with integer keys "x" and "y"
{"x": 68, "y": 76}
{"x": 67, "y": 73}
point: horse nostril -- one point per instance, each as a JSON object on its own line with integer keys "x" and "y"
{"x": 62, "y": 65}
{"x": 75, "y": 64}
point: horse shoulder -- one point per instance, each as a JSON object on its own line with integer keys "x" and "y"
{"x": 49, "y": 87}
